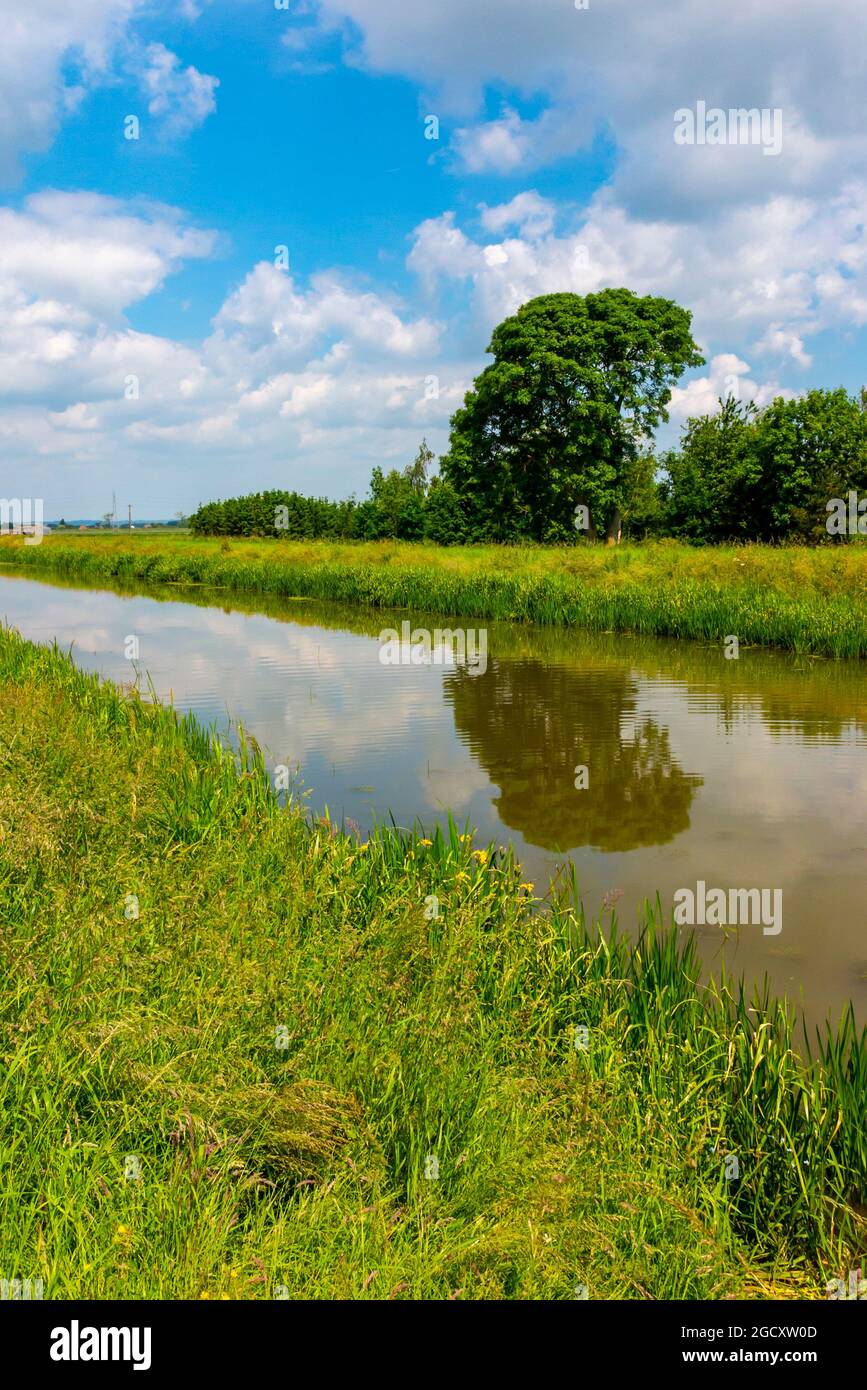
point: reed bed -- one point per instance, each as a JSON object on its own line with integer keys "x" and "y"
{"x": 808, "y": 601}
{"x": 247, "y": 1055}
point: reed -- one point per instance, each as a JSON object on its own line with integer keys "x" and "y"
{"x": 284, "y": 1070}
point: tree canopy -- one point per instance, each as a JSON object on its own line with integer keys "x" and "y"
{"x": 553, "y": 444}
{"x": 766, "y": 475}
{"x": 557, "y": 421}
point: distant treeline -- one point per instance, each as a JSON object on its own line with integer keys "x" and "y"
{"x": 402, "y": 505}
{"x": 314, "y": 518}
{"x": 795, "y": 470}
{"x": 784, "y": 472}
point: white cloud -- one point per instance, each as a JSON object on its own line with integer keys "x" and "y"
{"x": 762, "y": 279}
{"x": 34, "y": 93}
{"x": 181, "y": 98}
{"x": 512, "y": 145}
{"x": 327, "y": 374}
{"x": 779, "y": 342}
{"x": 630, "y": 67}
{"x": 728, "y": 376}
{"x": 533, "y": 215}
{"x": 94, "y": 253}
{"x": 55, "y": 54}
{"x": 269, "y": 308}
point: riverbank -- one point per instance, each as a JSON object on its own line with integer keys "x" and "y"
{"x": 812, "y": 601}
{"x": 247, "y": 1054}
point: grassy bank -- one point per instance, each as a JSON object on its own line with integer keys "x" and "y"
{"x": 810, "y": 601}
{"x": 242, "y": 1055}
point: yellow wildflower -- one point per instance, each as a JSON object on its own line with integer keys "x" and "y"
{"x": 481, "y": 855}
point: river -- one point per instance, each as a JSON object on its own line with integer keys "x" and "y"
{"x": 698, "y": 769}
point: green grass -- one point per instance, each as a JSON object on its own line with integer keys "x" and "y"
{"x": 808, "y": 600}
{"x": 407, "y": 1037}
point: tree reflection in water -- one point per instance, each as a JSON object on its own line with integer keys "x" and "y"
{"x": 529, "y": 724}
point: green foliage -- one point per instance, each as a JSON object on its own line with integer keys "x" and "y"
{"x": 444, "y": 519}
{"x": 405, "y": 1035}
{"x": 710, "y": 481}
{"x": 558, "y": 418}
{"x": 398, "y": 505}
{"x": 396, "y": 509}
{"x": 809, "y": 451}
{"x": 276, "y": 513}
{"x": 643, "y": 511}
{"x": 808, "y": 600}
{"x": 766, "y": 475}
{"x": 416, "y": 472}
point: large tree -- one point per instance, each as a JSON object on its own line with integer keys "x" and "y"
{"x": 556, "y": 421}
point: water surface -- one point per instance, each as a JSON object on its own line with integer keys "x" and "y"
{"x": 747, "y": 773}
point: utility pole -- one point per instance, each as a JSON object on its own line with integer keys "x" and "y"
{"x": 129, "y": 510}
{"x": 113, "y": 509}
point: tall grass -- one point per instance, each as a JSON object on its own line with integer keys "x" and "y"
{"x": 810, "y": 601}
{"x": 331, "y": 1089}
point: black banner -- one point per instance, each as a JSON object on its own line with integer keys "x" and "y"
{"x": 63, "y": 1339}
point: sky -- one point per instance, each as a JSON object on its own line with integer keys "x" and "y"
{"x": 263, "y": 243}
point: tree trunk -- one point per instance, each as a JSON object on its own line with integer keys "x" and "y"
{"x": 614, "y": 528}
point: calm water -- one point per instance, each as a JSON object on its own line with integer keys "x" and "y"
{"x": 748, "y": 773}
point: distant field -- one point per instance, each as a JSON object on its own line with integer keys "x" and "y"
{"x": 808, "y": 600}
{"x": 116, "y": 532}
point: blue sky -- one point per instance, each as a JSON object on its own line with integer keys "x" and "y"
{"x": 150, "y": 344}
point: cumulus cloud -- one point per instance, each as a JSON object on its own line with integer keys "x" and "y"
{"x": 55, "y": 55}
{"x": 35, "y": 86}
{"x": 335, "y": 376}
{"x": 512, "y": 145}
{"x": 181, "y": 98}
{"x": 94, "y": 253}
{"x": 269, "y": 308}
{"x": 782, "y": 343}
{"x": 762, "y": 280}
{"x": 728, "y": 377}
{"x": 631, "y": 67}
{"x": 532, "y": 214}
